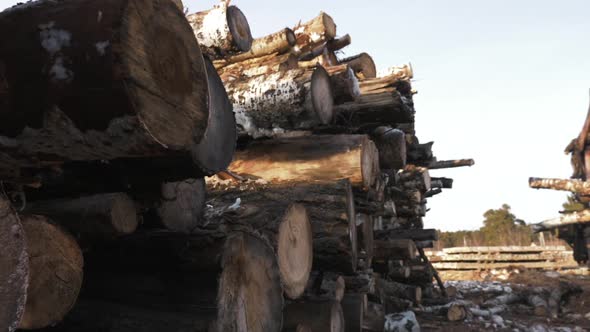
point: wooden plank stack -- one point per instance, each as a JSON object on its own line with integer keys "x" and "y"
{"x": 572, "y": 226}
{"x": 314, "y": 223}
{"x": 486, "y": 258}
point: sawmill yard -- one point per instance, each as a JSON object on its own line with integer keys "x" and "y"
{"x": 166, "y": 169}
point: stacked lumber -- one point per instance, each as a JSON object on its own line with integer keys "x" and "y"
{"x": 572, "y": 226}
{"x": 487, "y": 258}
{"x": 310, "y": 217}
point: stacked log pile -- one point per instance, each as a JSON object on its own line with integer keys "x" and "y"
{"x": 487, "y": 258}
{"x": 572, "y": 226}
{"x": 105, "y": 140}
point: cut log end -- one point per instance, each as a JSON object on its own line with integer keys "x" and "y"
{"x": 177, "y": 89}
{"x": 369, "y": 163}
{"x": 330, "y": 26}
{"x": 56, "y": 264}
{"x": 182, "y": 204}
{"x": 250, "y": 293}
{"x": 290, "y": 37}
{"x": 14, "y": 268}
{"x": 124, "y": 214}
{"x": 322, "y": 95}
{"x": 295, "y": 251}
{"x": 216, "y": 149}
{"x": 363, "y": 65}
{"x": 392, "y": 147}
{"x": 239, "y": 28}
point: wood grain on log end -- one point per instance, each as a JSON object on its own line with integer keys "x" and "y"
{"x": 392, "y": 147}
{"x": 56, "y": 264}
{"x": 182, "y": 204}
{"x": 322, "y": 95}
{"x": 239, "y": 28}
{"x": 295, "y": 250}
{"x": 369, "y": 163}
{"x": 14, "y": 268}
{"x": 250, "y": 292}
{"x": 216, "y": 149}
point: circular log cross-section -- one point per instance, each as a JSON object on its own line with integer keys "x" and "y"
{"x": 319, "y": 316}
{"x": 14, "y": 268}
{"x": 294, "y": 250}
{"x": 315, "y": 32}
{"x": 216, "y": 149}
{"x": 114, "y": 92}
{"x": 250, "y": 293}
{"x": 362, "y": 64}
{"x": 239, "y": 28}
{"x": 391, "y": 144}
{"x": 182, "y": 204}
{"x": 322, "y": 95}
{"x": 55, "y": 263}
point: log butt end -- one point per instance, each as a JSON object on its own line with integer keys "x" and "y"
{"x": 239, "y": 29}
{"x": 322, "y": 95}
{"x": 369, "y": 163}
{"x": 295, "y": 250}
{"x": 56, "y": 266}
{"x": 14, "y": 268}
{"x": 250, "y": 295}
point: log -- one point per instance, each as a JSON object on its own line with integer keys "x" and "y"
{"x": 451, "y": 163}
{"x": 353, "y": 310}
{"x": 578, "y": 217}
{"x": 279, "y": 42}
{"x": 182, "y": 205}
{"x": 14, "y": 268}
{"x": 91, "y": 218}
{"x": 389, "y": 83}
{"x": 539, "y": 304}
{"x": 324, "y": 286}
{"x": 214, "y": 153}
{"x": 55, "y": 264}
{"x": 303, "y": 160}
{"x": 174, "y": 272}
{"x": 289, "y": 100}
{"x": 446, "y": 183}
{"x": 264, "y": 65}
{"x": 339, "y": 43}
{"x": 412, "y": 234}
{"x": 454, "y": 311}
{"x": 360, "y": 283}
{"x": 391, "y": 144}
{"x": 344, "y": 84}
{"x": 373, "y": 110}
{"x": 319, "y": 316}
{"x": 334, "y": 254}
{"x": 403, "y": 321}
{"x": 399, "y": 272}
{"x": 362, "y": 64}
{"x": 420, "y": 153}
{"x": 505, "y": 249}
{"x": 222, "y": 30}
{"x": 572, "y": 185}
{"x": 72, "y": 93}
{"x": 313, "y": 33}
{"x": 500, "y": 265}
{"x": 395, "y": 249}
{"x": 391, "y": 289}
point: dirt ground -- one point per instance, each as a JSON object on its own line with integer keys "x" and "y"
{"x": 477, "y": 287}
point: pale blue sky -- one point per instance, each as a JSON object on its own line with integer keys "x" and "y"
{"x": 504, "y": 82}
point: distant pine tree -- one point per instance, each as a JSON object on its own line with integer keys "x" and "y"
{"x": 572, "y": 204}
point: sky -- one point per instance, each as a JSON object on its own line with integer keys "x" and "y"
{"x": 503, "y": 82}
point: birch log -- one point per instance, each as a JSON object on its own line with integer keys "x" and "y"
{"x": 279, "y": 42}
{"x": 103, "y": 91}
{"x": 565, "y": 219}
{"x": 14, "y": 268}
{"x": 572, "y": 185}
{"x": 264, "y": 65}
{"x": 310, "y": 160}
{"x": 222, "y": 30}
{"x": 294, "y": 99}
{"x": 315, "y": 32}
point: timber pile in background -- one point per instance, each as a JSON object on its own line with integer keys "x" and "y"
{"x": 316, "y": 224}
{"x": 488, "y": 258}
{"x": 573, "y": 225}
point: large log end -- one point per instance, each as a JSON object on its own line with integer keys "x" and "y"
{"x": 239, "y": 28}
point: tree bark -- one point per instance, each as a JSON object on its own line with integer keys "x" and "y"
{"x": 315, "y": 32}
{"x": 391, "y": 144}
{"x": 362, "y": 64}
{"x": 451, "y": 163}
{"x": 102, "y": 91}
{"x": 319, "y": 316}
{"x": 182, "y": 205}
{"x": 579, "y": 217}
{"x": 339, "y": 43}
{"x": 289, "y": 100}
{"x": 222, "y": 30}
{"x": 279, "y": 42}
{"x": 304, "y": 160}
{"x": 572, "y": 185}
{"x": 14, "y": 268}
{"x": 420, "y": 154}
{"x": 91, "y": 219}
{"x": 55, "y": 264}
{"x": 216, "y": 149}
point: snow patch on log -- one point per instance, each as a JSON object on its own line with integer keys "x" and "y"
{"x": 401, "y": 322}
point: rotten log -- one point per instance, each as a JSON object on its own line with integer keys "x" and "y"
{"x": 319, "y": 316}
{"x": 182, "y": 205}
{"x": 55, "y": 279}
{"x": 14, "y": 268}
{"x": 446, "y": 183}
{"x": 451, "y": 163}
{"x": 572, "y": 185}
{"x": 315, "y": 32}
{"x": 91, "y": 218}
{"x": 577, "y": 217}
{"x": 337, "y": 44}
{"x": 222, "y": 30}
{"x": 236, "y": 272}
{"x": 72, "y": 93}
{"x": 412, "y": 234}
{"x": 279, "y": 42}
{"x": 413, "y": 177}
{"x": 289, "y": 100}
{"x": 391, "y": 144}
{"x": 304, "y": 159}
{"x": 420, "y": 153}
{"x": 500, "y": 265}
{"x": 215, "y": 150}
{"x": 362, "y": 64}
